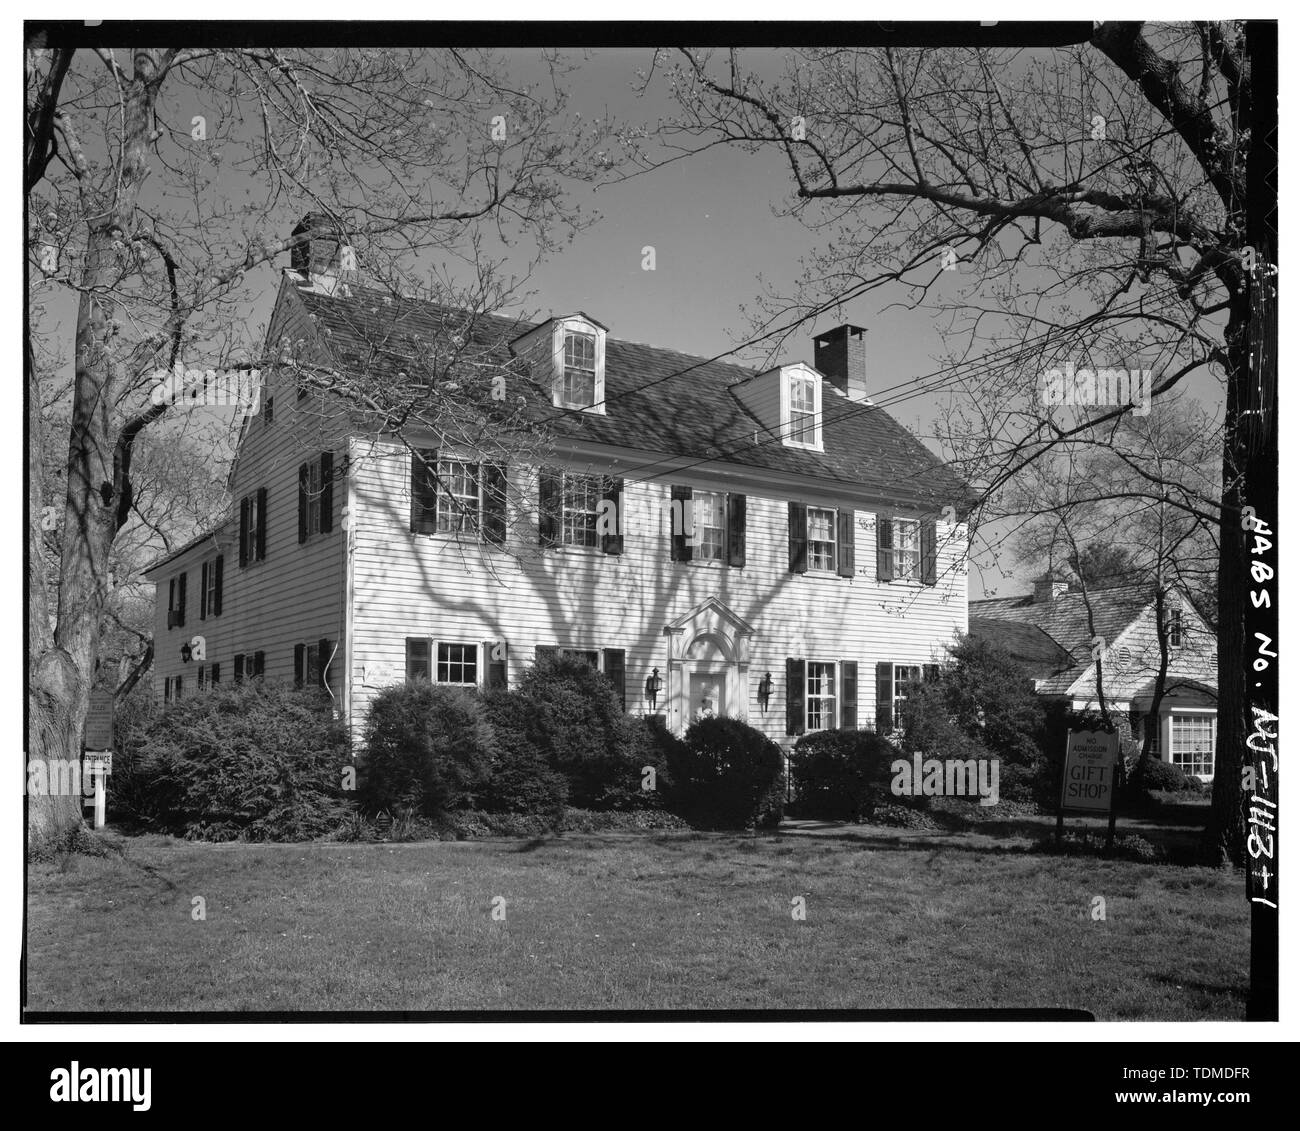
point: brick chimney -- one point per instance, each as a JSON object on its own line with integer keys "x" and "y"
{"x": 1048, "y": 587}
{"x": 841, "y": 356}
{"x": 319, "y": 255}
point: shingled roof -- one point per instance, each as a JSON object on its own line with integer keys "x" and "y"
{"x": 657, "y": 400}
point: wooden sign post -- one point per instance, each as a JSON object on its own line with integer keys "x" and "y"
{"x": 1088, "y": 779}
{"x": 98, "y": 748}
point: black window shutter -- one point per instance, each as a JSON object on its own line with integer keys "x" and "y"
{"x": 884, "y": 696}
{"x": 326, "y": 492}
{"x": 494, "y": 503}
{"x": 884, "y": 548}
{"x": 798, "y": 538}
{"x": 324, "y": 647}
{"x": 203, "y": 592}
{"x": 550, "y": 485}
{"x": 545, "y": 652}
{"x": 681, "y": 516}
{"x": 929, "y": 552}
{"x": 239, "y": 667}
{"x": 299, "y": 652}
{"x": 259, "y": 663}
{"x": 795, "y": 684}
{"x": 616, "y": 672}
{"x": 497, "y": 653}
{"x": 167, "y": 689}
{"x": 171, "y": 603}
{"x": 220, "y": 567}
{"x": 243, "y": 531}
{"x": 215, "y": 677}
{"x": 844, "y": 527}
{"x": 180, "y": 600}
{"x": 269, "y": 410}
{"x": 849, "y": 695}
{"x": 929, "y": 672}
{"x": 424, "y": 496}
{"x": 613, "y": 543}
{"x": 736, "y": 531}
{"x": 261, "y": 523}
{"x": 304, "y": 479}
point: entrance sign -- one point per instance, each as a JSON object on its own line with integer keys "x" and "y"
{"x": 99, "y": 721}
{"x": 1088, "y": 783}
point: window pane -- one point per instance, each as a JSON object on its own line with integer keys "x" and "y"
{"x": 907, "y": 548}
{"x": 581, "y": 508}
{"x": 821, "y": 696}
{"x": 457, "y": 498}
{"x": 458, "y": 663}
{"x": 821, "y": 538}
{"x": 578, "y": 387}
{"x": 1192, "y": 743}
{"x": 710, "y": 525}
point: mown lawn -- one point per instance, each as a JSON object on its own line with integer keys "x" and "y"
{"x": 669, "y": 921}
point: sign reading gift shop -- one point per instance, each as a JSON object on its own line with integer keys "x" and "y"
{"x": 1088, "y": 780}
{"x": 1088, "y": 784}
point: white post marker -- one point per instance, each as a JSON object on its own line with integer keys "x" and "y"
{"x": 101, "y": 765}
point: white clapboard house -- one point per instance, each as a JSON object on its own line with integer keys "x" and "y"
{"x": 767, "y": 545}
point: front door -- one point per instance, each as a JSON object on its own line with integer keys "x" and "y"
{"x": 707, "y": 695}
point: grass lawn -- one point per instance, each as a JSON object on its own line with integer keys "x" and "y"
{"x": 673, "y": 920}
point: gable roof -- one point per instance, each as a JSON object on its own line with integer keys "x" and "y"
{"x": 1064, "y": 620}
{"x": 658, "y": 400}
{"x": 1025, "y": 642}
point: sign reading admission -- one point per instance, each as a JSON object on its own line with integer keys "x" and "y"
{"x": 1088, "y": 784}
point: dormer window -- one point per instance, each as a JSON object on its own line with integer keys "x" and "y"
{"x": 801, "y": 407}
{"x": 578, "y": 383}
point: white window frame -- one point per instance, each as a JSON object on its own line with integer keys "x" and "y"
{"x": 315, "y": 487}
{"x": 706, "y": 505}
{"x": 833, "y": 543}
{"x": 436, "y": 652}
{"x": 250, "y": 549}
{"x": 591, "y": 538}
{"x": 570, "y": 395}
{"x": 901, "y": 681}
{"x": 209, "y": 595}
{"x": 1175, "y": 630}
{"x": 561, "y": 385}
{"x": 801, "y": 422}
{"x": 902, "y": 572}
{"x": 823, "y": 698}
{"x": 458, "y": 519}
{"x": 1191, "y": 767}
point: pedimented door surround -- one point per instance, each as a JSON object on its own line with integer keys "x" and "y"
{"x": 708, "y": 640}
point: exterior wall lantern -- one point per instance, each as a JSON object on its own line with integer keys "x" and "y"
{"x": 653, "y": 685}
{"x": 764, "y": 691}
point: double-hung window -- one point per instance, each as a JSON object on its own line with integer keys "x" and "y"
{"x": 710, "y": 514}
{"x": 803, "y": 410}
{"x": 820, "y": 697}
{"x": 581, "y": 509}
{"x": 821, "y": 539}
{"x": 458, "y": 500}
{"x": 904, "y": 674}
{"x": 458, "y": 663}
{"x": 907, "y": 549}
{"x": 578, "y": 380}
{"x": 1191, "y": 744}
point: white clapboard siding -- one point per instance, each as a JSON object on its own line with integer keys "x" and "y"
{"x": 407, "y": 584}
{"x": 295, "y": 595}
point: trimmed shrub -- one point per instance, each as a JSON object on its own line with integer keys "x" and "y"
{"x": 570, "y": 714}
{"x": 1164, "y": 777}
{"x": 727, "y": 774}
{"x": 841, "y": 775}
{"x": 429, "y": 749}
{"x": 520, "y": 780}
{"x": 252, "y": 761}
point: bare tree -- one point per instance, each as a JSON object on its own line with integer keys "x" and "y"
{"x": 1084, "y": 204}
{"x": 161, "y": 185}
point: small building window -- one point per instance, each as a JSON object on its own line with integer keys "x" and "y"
{"x": 1191, "y": 744}
{"x": 457, "y": 497}
{"x": 904, "y": 674}
{"x": 907, "y": 548}
{"x": 458, "y": 663}
{"x": 821, "y": 696}
{"x": 268, "y": 412}
{"x": 710, "y": 525}
{"x": 821, "y": 539}
{"x": 581, "y": 508}
{"x": 313, "y": 497}
{"x": 578, "y": 381}
{"x": 1176, "y": 628}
